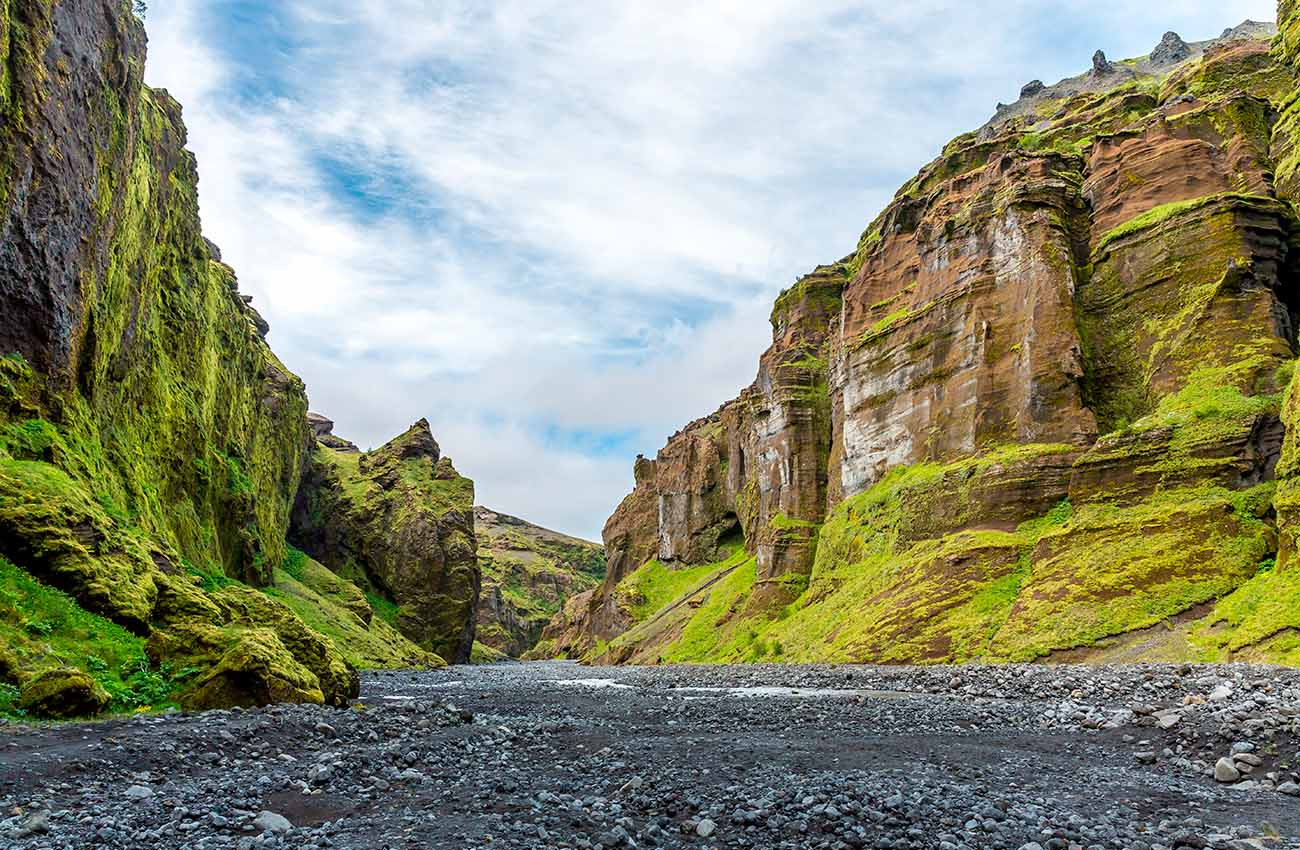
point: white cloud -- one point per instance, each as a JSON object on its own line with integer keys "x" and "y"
{"x": 581, "y": 211}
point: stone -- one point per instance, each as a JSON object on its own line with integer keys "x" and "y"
{"x": 705, "y": 828}
{"x": 1101, "y": 67}
{"x": 272, "y": 822}
{"x": 38, "y": 823}
{"x": 1226, "y": 771}
{"x": 1168, "y": 719}
{"x": 1291, "y": 789}
{"x": 63, "y": 692}
{"x": 403, "y": 517}
{"x": 139, "y": 792}
{"x": 1032, "y": 88}
{"x": 1171, "y": 49}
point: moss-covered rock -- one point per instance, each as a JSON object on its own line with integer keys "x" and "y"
{"x": 150, "y": 441}
{"x": 9, "y": 669}
{"x": 236, "y": 665}
{"x": 398, "y": 522}
{"x": 339, "y": 610}
{"x": 63, "y": 692}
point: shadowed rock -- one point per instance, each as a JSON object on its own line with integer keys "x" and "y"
{"x": 1100, "y": 65}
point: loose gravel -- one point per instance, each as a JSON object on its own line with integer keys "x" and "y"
{"x": 556, "y": 755}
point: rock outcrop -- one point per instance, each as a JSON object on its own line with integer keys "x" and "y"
{"x": 398, "y": 522}
{"x": 529, "y": 572}
{"x": 1043, "y": 407}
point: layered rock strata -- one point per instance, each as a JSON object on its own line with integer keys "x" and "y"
{"x": 1042, "y": 407}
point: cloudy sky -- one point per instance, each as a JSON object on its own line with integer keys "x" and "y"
{"x": 556, "y": 228}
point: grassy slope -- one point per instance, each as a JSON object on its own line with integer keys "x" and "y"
{"x": 330, "y": 604}
{"x": 41, "y": 627}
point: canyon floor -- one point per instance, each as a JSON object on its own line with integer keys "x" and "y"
{"x": 555, "y": 755}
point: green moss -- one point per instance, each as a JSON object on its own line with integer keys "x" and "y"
{"x": 295, "y": 561}
{"x": 1247, "y": 621}
{"x": 814, "y": 297}
{"x": 484, "y": 654}
{"x": 333, "y": 607}
{"x": 43, "y": 628}
{"x": 1165, "y": 213}
{"x": 1115, "y": 569}
{"x": 897, "y": 317}
{"x": 384, "y": 609}
{"x": 711, "y": 632}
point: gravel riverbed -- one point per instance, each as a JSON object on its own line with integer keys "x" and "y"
{"x": 556, "y": 755}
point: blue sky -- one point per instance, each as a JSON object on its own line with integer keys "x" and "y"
{"x": 556, "y": 228}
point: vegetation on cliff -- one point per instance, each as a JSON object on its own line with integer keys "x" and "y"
{"x": 151, "y": 443}
{"x": 398, "y": 522}
{"x": 1047, "y": 405}
{"x": 529, "y": 573}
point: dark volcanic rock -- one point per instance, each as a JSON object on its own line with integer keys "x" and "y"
{"x": 1171, "y": 49}
{"x": 1032, "y": 88}
{"x": 1101, "y": 67}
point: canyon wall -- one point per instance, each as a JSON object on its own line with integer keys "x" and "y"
{"x": 151, "y": 443}
{"x": 1040, "y": 411}
{"x": 399, "y": 523}
{"x": 529, "y": 573}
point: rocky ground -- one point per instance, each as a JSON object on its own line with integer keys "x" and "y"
{"x": 557, "y": 755}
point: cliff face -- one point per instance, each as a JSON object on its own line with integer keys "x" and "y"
{"x": 151, "y": 444}
{"x": 529, "y": 573}
{"x": 1041, "y": 408}
{"x": 150, "y": 441}
{"x": 399, "y": 523}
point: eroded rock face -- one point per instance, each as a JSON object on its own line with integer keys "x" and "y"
{"x": 1039, "y": 407}
{"x": 398, "y": 521}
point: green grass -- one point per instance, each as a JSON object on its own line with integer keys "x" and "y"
{"x": 384, "y": 609}
{"x": 653, "y": 586}
{"x": 43, "y": 627}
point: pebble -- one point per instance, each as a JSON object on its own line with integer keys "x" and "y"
{"x": 817, "y": 757}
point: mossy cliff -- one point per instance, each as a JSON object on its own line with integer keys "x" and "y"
{"x": 151, "y": 444}
{"x": 1044, "y": 409}
{"x": 529, "y": 572}
{"x": 399, "y": 523}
